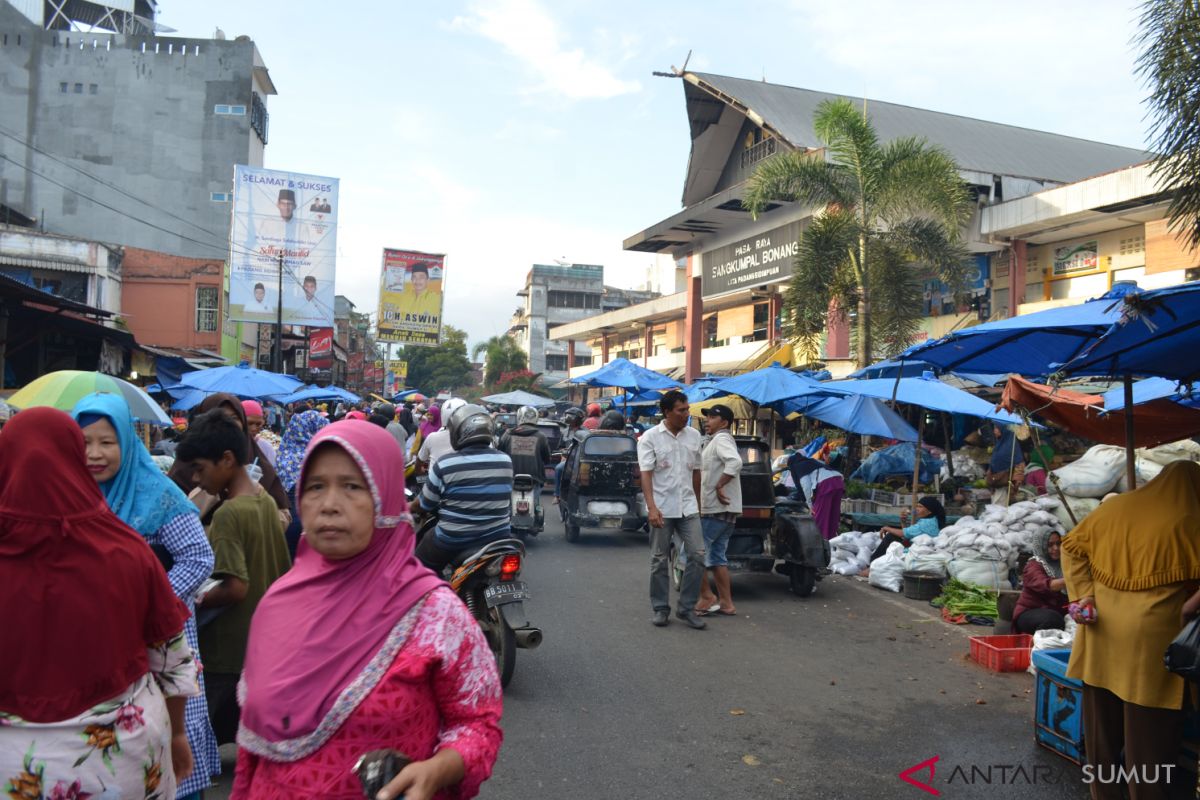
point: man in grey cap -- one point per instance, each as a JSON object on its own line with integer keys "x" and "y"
{"x": 720, "y": 505}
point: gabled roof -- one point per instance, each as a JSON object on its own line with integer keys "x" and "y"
{"x": 977, "y": 145}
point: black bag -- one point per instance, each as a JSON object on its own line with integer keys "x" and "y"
{"x": 1183, "y": 653}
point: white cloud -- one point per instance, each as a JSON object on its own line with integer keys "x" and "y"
{"x": 529, "y": 34}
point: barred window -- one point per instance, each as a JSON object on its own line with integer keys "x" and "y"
{"x": 207, "y": 305}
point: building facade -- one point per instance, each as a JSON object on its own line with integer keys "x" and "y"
{"x": 555, "y": 295}
{"x": 86, "y": 272}
{"x": 728, "y": 316}
{"x": 125, "y": 136}
{"x": 173, "y": 301}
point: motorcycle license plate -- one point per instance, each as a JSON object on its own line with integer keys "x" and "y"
{"x": 509, "y": 592}
{"x": 610, "y": 522}
{"x": 739, "y": 563}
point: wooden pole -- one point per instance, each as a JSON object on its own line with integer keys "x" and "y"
{"x": 1130, "y": 450}
{"x": 917, "y": 461}
{"x": 948, "y": 431}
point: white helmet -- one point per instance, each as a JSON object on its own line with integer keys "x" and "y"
{"x": 526, "y": 415}
{"x": 449, "y": 407}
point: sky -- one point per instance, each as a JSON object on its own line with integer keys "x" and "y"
{"x": 512, "y": 132}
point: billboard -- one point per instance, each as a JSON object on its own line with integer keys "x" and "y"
{"x": 397, "y": 374}
{"x": 320, "y": 348}
{"x": 410, "y": 297}
{"x": 290, "y": 216}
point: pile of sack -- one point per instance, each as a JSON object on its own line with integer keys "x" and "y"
{"x": 1101, "y": 470}
{"x": 850, "y": 553}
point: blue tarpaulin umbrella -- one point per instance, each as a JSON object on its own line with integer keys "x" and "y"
{"x": 1152, "y": 389}
{"x": 927, "y": 392}
{"x": 318, "y": 393}
{"x": 891, "y": 367}
{"x": 242, "y": 380}
{"x": 1030, "y": 344}
{"x": 622, "y": 373}
{"x": 865, "y": 416}
{"x": 774, "y": 384}
{"x": 518, "y": 398}
{"x": 1157, "y": 334}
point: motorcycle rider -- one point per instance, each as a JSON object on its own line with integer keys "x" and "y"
{"x": 612, "y": 420}
{"x": 438, "y": 442}
{"x": 471, "y": 488}
{"x": 573, "y": 419}
{"x": 593, "y": 417}
{"x": 529, "y": 451}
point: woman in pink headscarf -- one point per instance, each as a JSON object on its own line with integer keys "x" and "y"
{"x": 359, "y": 647}
{"x": 431, "y": 423}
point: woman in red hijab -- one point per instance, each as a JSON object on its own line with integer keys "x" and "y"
{"x": 97, "y": 671}
{"x": 360, "y": 647}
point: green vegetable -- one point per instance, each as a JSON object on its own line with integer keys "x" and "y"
{"x": 966, "y": 598}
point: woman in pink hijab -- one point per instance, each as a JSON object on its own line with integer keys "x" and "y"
{"x": 359, "y": 647}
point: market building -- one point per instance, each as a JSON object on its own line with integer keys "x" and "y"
{"x": 557, "y": 294}
{"x": 734, "y": 267}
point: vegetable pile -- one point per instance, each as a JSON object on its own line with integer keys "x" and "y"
{"x": 968, "y": 600}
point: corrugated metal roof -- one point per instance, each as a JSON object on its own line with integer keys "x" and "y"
{"x": 50, "y": 264}
{"x": 975, "y": 144}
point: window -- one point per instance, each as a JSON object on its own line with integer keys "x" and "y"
{"x": 93, "y": 88}
{"x": 207, "y": 304}
{"x": 226, "y": 110}
{"x": 220, "y": 197}
{"x": 561, "y": 299}
{"x": 72, "y": 286}
{"x": 62, "y": 87}
{"x": 258, "y": 116}
{"x": 79, "y": 88}
{"x": 556, "y": 363}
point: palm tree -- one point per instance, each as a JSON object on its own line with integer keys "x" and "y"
{"x": 502, "y": 354}
{"x": 1170, "y": 38}
{"x": 882, "y": 210}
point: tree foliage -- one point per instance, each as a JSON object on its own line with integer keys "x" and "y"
{"x": 502, "y": 354}
{"x": 519, "y": 380}
{"x": 887, "y": 215}
{"x": 446, "y": 366}
{"x": 1169, "y": 36}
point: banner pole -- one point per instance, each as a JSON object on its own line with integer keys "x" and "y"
{"x": 277, "y": 362}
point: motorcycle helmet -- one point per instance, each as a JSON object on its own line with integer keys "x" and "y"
{"x": 470, "y": 424}
{"x": 593, "y": 409}
{"x": 573, "y": 416}
{"x": 612, "y": 421}
{"x": 526, "y": 415}
{"x": 450, "y": 406}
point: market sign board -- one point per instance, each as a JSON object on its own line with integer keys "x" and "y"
{"x": 320, "y": 348}
{"x": 754, "y": 261}
{"x": 1082, "y": 257}
{"x": 284, "y": 215}
{"x": 410, "y": 297}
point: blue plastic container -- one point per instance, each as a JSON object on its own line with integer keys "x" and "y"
{"x": 1058, "y": 709}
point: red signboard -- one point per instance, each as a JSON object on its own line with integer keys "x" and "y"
{"x": 320, "y": 348}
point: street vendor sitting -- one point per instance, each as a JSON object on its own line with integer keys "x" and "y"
{"x": 1043, "y": 602}
{"x": 931, "y": 518}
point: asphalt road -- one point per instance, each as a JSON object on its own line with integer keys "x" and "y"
{"x": 826, "y": 697}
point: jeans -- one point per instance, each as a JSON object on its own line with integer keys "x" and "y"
{"x": 688, "y": 529}
{"x": 558, "y": 473}
{"x": 716, "y": 540}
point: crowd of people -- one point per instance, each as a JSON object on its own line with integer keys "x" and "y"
{"x": 261, "y": 592}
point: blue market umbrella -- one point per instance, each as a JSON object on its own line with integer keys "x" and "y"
{"x": 1156, "y": 334}
{"x": 914, "y": 368}
{"x": 242, "y": 380}
{"x": 860, "y": 414}
{"x": 317, "y": 393}
{"x": 927, "y": 392}
{"x": 1030, "y": 344}
{"x": 774, "y": 384}
{"x": 519, "y": 398}
{"x": 621, "y": 373}
{"x": 1153, "y": 389}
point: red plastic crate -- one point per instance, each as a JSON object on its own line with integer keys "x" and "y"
{"x": 1003, "y": 653}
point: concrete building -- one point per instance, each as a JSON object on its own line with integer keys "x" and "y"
{"x": 85, "y": 272}
{"x": 124, "y": 136}
{"x": 173, "y": 301}
{"x": 554, "y": 295}
{"x": 728, "y": 316}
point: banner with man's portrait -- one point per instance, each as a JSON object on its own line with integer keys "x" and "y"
{"x": 290, "y": 216}
{"x": 410, "y": 297}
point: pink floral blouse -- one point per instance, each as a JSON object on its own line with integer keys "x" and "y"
{"x": 441, "y": 690}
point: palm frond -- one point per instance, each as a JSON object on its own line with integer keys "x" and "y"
{"x": 852, "y": 143}
{"x": 896, "y": 296}
{"x": 919, "y": 179}
{"x": 799, "y": 177}
{"x": 818, "y": 272}
{"x": 931, "y": 244}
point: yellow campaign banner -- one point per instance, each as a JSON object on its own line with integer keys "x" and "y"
{"x": 410, "y": 297}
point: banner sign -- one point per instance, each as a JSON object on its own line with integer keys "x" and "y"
{"x": 754, "y": 261}
{"x": 397, "y": 374}
{"x": 1082, "y": 257}
{"x": 410, "y": 297}
{"x": 284, "y": 224}
{"x": 320, "y": 348}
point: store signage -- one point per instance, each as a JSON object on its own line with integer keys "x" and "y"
{"x": 754, "y": 261}
{"x": 1083, "y": 257}
{"x": 320, "y": 348}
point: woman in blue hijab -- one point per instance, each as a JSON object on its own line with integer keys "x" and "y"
{"x": 149, "y": 502}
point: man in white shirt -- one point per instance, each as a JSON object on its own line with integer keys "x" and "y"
{"x": 260, "y": 305}
{"x": 720, "y": 505}
{"x": 669, "y": 458}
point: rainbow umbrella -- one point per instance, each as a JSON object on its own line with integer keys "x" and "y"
{"x": 65, "y": 388}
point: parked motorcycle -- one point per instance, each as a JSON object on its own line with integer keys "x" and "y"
{"x": 486, "y": 581}
{"x": 527, "y": 515}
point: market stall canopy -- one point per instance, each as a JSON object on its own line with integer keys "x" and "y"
{"x": 621, "y": 373}
{"x": 518, "y": 398}
{"x": 863, "y": 415}
{"x": 647, "y": 398}
{"x": 774, "y": 384}
{"x": 241, "y": 380}
{"x": 1153, "y": 389}
{"x": 1029, "y": 344}
{"x": 1154, "y": 423}
{"x": 891, "y": 367}
{"x": 926, "y": 391}
{"x": 1157, "y": 334}
{"x": 318, "y": 393}
{"x": 64, "y": 388}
